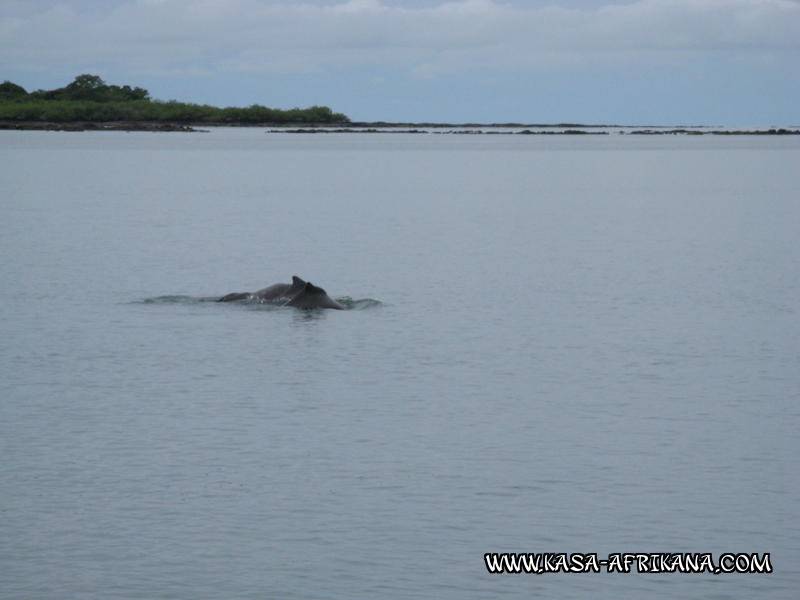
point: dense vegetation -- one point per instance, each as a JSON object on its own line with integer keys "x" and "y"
{"x": 89, "y": 98}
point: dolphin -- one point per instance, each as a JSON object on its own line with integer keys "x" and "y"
{"x": 299, "y": 293}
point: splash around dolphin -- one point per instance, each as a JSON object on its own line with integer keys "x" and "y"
{"x": 299, "y": 293}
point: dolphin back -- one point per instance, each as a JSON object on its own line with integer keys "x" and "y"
{"x": 235, "y": 296}
{"x": 299, "y": 293}
{"x": 313, "y": 296}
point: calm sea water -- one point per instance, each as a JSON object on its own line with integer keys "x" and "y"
{"x": 558, "y": 344}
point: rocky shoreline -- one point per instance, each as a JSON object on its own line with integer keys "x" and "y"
{"x": 382, "y": 127}
{"x": 455, "y": 131}
{"x": 544, "y": 130}
{"x": 714, "y": 132}
{"x": 92, "y": 126}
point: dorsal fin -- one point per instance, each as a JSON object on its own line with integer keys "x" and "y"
{"x": 297, "y": 283}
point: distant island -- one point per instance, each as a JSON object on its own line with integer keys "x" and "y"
{"x": 90, "y": 103}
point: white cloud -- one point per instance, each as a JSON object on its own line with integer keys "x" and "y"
{"x": 156, "y": 36}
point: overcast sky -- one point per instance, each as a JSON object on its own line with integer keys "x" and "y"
{"x": 719, "y": 62}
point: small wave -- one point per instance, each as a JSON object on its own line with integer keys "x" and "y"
{"x": 176, "y": 299}
{"x": 347, "y": 301}
{"x": 359, "y": 304}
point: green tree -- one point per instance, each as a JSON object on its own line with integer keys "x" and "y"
{"x": 11, "y": 91}
{"x": 127, "y": 93}
{"x": 86, "y": 87}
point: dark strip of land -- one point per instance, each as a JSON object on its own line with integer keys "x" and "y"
{"x": 367, "y": 128}
{"x": 714, "y": 132}
{"x": 456, "y": 130}
{"x": 543, "y": 130}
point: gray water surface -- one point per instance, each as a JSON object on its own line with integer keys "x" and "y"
{"x": 558, "y": 344}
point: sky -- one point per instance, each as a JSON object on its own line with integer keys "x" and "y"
{"x": 631, "y": 62}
